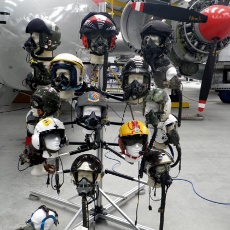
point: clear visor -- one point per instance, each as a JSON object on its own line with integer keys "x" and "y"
{"x": 64, "y": 72}
{"x": 153, "y": 38}
{"x": 87, "y": 110}
{"x": 138, "y": 77}
{"x": 85, "y": 174}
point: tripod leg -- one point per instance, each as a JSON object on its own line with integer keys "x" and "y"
{"x": 73, "y": 219}
{"x": 118, "y": 209}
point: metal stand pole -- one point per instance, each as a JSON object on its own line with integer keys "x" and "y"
{"x": 100, "y": 157}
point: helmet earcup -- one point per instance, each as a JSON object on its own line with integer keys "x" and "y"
{"x": 36, "y": 141}
{"x": 112, "y": 43}
{"x": 121, "y": 145}
{"x": 85, "y": 41}
{"x": 79, "y": 112}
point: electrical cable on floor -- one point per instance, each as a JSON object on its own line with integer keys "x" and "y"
{"x": 118, "y": 162}
{"x": 212, "y": 201}
{"x": 190, "y": 98}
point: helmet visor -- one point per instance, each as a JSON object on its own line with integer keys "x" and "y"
{"x": 132, "y": 140}
{"x": 93, "y": 163}
{"x": 141, "y": 78}
{"x": 85, "y": 174}
{"x": 153, "y": 39}
{"x": 36, "y": 103}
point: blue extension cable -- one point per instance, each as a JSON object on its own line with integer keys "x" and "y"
{"x": 212, "y": 201}
{"x": 178, "y": 179}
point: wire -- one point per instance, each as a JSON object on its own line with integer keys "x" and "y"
{"x": 114, "y": 111}
{"x": 63, "y": 178}
{"x": 124, "y": 112}
{"x": 212, "y": 201}
{"x": 20, "y": 170}
{"x": 118, "y": 162}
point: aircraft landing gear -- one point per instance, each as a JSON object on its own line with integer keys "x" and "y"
{"x": 224, "y": 96}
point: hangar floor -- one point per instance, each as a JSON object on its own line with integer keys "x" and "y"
{"x": 205, "y": 163}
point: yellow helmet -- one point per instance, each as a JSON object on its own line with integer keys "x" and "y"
{"x": 133, "y": 127}
{"x": 133, "y": 133}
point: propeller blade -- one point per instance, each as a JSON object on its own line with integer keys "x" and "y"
{"x": 170, "y": 12}
{"x": 224, "y": 2}
{"x": 207, "y": 76}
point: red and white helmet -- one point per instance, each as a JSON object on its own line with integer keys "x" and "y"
{"x": 98, "y": 32}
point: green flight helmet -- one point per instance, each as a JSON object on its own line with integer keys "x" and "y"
{"x": 46, "y": 99}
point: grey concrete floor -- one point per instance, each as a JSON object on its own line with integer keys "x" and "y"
{"x": 205, "y": 162}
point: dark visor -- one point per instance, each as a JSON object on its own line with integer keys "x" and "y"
{"x": 132, "y": 140}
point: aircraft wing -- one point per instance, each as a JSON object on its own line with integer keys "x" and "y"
{"x": 66, "y": 14}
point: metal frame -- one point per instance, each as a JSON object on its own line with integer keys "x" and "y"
{"x": 100, "y": 212}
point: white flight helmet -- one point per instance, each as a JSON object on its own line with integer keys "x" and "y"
{"x": 67, "y": 74}
{"x": 43, "y": 218}
{"x": 49, "y": 136}
{"x": 156, "y": 163}
{"x": 163, "y": 130}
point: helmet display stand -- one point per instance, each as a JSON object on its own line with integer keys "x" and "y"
{"x": 100, "y": 212}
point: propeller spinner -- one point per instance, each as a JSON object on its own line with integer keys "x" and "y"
{"x": 213, "y": 31}
{"x": 213, "y": 25}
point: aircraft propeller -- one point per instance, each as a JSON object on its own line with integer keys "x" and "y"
{"x": 213, "y": 26}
